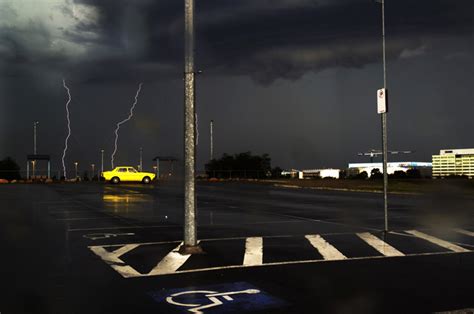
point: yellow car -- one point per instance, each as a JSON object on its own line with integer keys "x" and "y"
{"x": 130, "y": 174}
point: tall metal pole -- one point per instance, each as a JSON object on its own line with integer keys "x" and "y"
{"x": 34, "y": 147}
{"x": 212, "y": 138}
{"x": 34, "y": 136}
{"x": 190, "y": 245}
{"x": 141, "y": 159}
{"x": 384, "y": 125}
{"x": 101, "y": 160}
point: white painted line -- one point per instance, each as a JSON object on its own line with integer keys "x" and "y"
{"x": 113, "y": 259}
{"x": 170, "y": 263}
{"x": 437, "y": 241}
{"x": 465, "y": 232}
{"x": 253, "y": 251}
{"x": 85, "y": 218}
{"x": 381, "y": 246}
{"x": 134, "y": 273}
{"x": 123, "y": 227}
{"x": 114, "y": 256}
{"x": 328, "y": 251}
{"x": 232, "y": 238}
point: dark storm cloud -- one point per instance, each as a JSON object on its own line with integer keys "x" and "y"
{"x": 276, "y": 39}
{"x": 263, "y": 39}
{"x": 328, "y": 53}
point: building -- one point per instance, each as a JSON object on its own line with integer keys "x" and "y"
{"x": 392, "y": 167}
{"x": 312, "y": 173}
{"x": 321, "y": 173}
{"x": 454, "y": 162}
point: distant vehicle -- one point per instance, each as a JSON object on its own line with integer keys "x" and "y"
{"x": 127, "y": 174}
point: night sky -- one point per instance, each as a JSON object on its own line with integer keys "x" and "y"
{"x": 293, "y": 78}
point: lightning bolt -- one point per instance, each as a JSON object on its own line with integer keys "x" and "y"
{"x": 197, "y": 129}
{"x": 112, "y": 157}
{"x": 68, "y": 127}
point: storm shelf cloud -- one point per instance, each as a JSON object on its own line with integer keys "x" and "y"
{"x": 97, "y": 43}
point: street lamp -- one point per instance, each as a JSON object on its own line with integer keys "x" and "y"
{"x": 35, "y": 124}
{"x": 211, "y": 133}
{"x": 93, "y": 171}
{"x": 75, "y": 166}
{"x": 33, "y": 162}
{"x": 141, "y": 159}
{"x": 101, "y": 161}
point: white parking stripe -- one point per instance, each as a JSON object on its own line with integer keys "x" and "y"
{"x": 253, "y": 251}
{"x": 437, "y": 241}
{"x": 328, "y": 251}
{"x": 114, "y": 256}
{"x": 170, "y": 263}
{"x": 381, "y": 246}
{"x": 465, "y": 232}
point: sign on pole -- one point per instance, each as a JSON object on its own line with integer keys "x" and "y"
{"x": 382, "y": 100}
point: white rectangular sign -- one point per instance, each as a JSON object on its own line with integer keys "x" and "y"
{"x": 382, "y": 100}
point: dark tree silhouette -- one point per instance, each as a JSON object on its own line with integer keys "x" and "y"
{"x": 243, "y": 165}
{"x": 9, "y": 169}
{"x": 376, "y": 174}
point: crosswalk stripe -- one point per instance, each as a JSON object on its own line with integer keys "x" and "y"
{"x": 465, "y": 232}
{"x": 437, "y": 241}
{"x": 170, "y": 263}
{"x": 381, "y": 246}
{"x": 328, "y": 251}
{"x": 253, "y": 251}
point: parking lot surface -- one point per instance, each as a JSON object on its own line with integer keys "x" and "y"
{"x": 100, "y": 248}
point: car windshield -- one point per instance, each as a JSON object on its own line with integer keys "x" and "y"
{"x": 132, "y": 170}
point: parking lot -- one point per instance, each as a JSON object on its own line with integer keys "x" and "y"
{"x": 100, "y": 248}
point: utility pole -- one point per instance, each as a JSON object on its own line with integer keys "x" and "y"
{"x": 211, "y": 128}
{"x": 190, "y": 245}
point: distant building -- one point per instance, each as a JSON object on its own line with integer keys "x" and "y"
{"x": 321, "y": 173}
{"x": 392, "y": 167}
{"x": 312, "y": 173}
{"x": 454, "y": 162}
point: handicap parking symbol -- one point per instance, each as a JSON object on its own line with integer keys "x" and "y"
{"x": 227, "y": 298}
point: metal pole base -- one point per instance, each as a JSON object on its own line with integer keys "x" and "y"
{"x": 191, "y": 249}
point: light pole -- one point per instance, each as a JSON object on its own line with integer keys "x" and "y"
{"x": 33, "y": 162}
{"x": 211, "y": 131}
{"x": 75, "y": 166}
{"x": 93, "y": 171}
{"x": 141, "y": 159}
{"x": 35, "y": 124}
{"x": 190, "y": 245}
{"x": 101, "y": 161}
{"x": 382, "y": 110}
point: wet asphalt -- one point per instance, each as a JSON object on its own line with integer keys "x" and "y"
{"x": 100, "y": 248}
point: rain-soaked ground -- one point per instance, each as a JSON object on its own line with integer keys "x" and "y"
{"x": 100, "y": 248}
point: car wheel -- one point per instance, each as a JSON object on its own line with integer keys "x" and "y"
{"x": 115, "y": 180}
{"x": 146, "y": 180}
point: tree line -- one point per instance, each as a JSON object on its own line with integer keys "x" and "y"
{"x": 242, "y": 165}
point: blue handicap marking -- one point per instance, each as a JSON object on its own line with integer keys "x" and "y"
{"x": 224, "y": 298}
